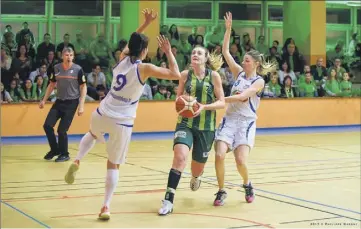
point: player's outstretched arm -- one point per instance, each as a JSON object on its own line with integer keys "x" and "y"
{"x": 150, "y": 70}
{"x": 251, "y": 91}
{"x": 233, "y": 66}
{"x": 149, "y": 17}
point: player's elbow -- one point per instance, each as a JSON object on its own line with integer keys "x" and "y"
{"x": 175, "y": 75}
{"x": 222, "y": 103}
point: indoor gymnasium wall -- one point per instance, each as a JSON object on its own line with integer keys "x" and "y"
{"x": 28, "y": 119}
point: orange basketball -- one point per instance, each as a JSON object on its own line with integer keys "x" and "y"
{"x": 186, "y": 106}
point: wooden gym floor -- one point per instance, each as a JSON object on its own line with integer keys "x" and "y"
{"x": 302, "y": 180}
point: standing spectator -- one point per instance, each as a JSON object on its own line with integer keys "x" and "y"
{"x": 352, "y": 45}
{"x": 174, "y": 35}
{"x": 294, "y": 59}
{"x": 71, "y": 92}
{"x": 44, "y": 48}
{"x": 22, "y": 64}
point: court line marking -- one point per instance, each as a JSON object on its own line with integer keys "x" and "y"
{"x": 24, "y": 214}
{"x": 174, "y": 213}
{"x": 287, "y": 196}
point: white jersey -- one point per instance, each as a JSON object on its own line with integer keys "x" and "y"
{"x": 123, "y": 97}
{"x": 248, "y": 108}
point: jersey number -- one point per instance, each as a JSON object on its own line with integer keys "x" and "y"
{"x": 121, "y": 81}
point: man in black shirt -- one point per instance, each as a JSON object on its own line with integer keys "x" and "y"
{"x": 71, "y": 92}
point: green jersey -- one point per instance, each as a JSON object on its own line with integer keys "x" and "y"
{"x": 346, "y": 88}
{"x": 203, "y": 90}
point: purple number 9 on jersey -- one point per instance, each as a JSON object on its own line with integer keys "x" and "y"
{"x": 121, "y": 81}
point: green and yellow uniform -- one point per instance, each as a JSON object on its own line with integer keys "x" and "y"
{"x": 198, "y": 131}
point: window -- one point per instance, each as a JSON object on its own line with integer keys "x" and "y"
{"x": 246, "y": 12}
{"x": 24, "y": 7}
{"x": 78, "y": 8}
{"x": 275, "y": 13}
{"x": 338, "y": 16}
{"x": 359, "y": 16}
{"x": 190, "y": 10}
{"x": 115, "y": 8}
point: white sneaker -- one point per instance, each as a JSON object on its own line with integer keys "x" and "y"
{"x": 167, "y": 208}
{"x": 195, "y": 183}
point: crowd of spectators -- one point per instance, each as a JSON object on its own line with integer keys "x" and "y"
{"x": 25, "y": 67}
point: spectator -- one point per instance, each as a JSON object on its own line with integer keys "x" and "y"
{"x": 164, "y": 30}
{"x": 199, "y": 41}
{"x": 181, "y": 61}
{"x": 82, "y": 52}
{"x": 95, "y": 79}
{"x": 51, "y": 61}
{"x": 346, "y": 86}
{"x": 308, "y": 88}
{"x": 9, "y": 45}
{"x": 287, "y": 90}
{"x": 44, "y": 48}
{"x": 247, "y": 43}
{"x": 101, "y": 51}
{"x": 21, "y": 34}
{"x": 318, "y": 71}
{"x": 174, "y": 35}
{"x": 273, "y": 56}
{"x": 192, "y": 36}
{"x": 6, "y": 73}
{"x": 66, "y": 43}
{"x": 352, "y": 45}
{"x": 339, "y": 70}
{"x": 332, "y": 86}
{"x": 285, "y": 71}
{"x": 39, "y": 87}
{"x": 261, "y": 47}
{"x": 214, "y": 37}
{"x": 235, "y": 54}
{"x": 26, "y": 94}
{"x": 14, "y": 91}
{"x": 184, "y": 47}
{"x": 174, "y": 92}
{"x": 162, "y": 93}
{"x": 275, "y": 44}
{"x": 22, "y": 64}
{"x": 42, "y": 71}
{"x": 147, "y": 93}
{"x": 5, "y": 96}
{"x": 333, "y": 54}
{"x": 29, "y": 46}
{"x": 294, "y": 59}
{"x": 9, "y": 29}
{"x": 159, "y": 58}
{"x": 122, "y": 44}
{"x": 274, "y": 86}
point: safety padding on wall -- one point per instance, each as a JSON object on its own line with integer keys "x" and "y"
{"x": 27, "y": 119}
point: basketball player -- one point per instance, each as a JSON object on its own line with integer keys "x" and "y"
{"x": 117, "y": 110}
{"x": 238, "y": 128}
{"x": 203, "y": 82}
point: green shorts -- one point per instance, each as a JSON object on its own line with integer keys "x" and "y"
{"x": 202, "y": 141}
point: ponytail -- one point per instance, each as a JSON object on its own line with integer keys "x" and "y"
{"x": 215, "y": 61}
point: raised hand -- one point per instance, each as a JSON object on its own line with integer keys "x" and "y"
{"x": 164, "y": 44}
{"x": 228, "y": 20}
{"x": 149, "y": 16}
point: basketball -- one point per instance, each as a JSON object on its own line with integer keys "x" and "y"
{"x": 186, "y": 106}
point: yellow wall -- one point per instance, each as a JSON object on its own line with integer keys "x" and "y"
{"x": 318, "y": 31}
{"x": 153, "y": 30}
{"x": 28, "y": 119}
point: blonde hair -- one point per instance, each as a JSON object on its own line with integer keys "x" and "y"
{"x": 214, "y": 61}
{"x": 264, "y": 67}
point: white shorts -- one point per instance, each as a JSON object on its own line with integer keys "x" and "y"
{"x": 119, "y": 136}
{"x": 236, "y": 132}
